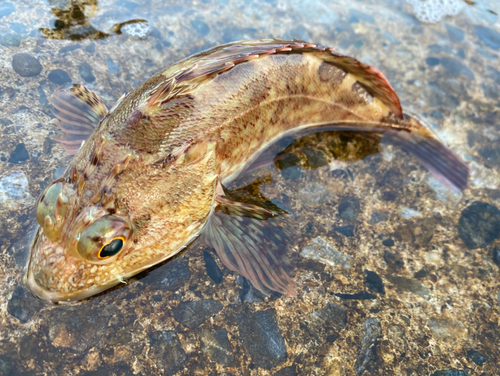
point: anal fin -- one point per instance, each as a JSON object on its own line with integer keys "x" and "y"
{"x": 252, "y": 241}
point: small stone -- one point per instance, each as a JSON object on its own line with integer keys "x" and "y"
{"x": 292, "y": 173}
{"x": 479, "y": 225}
{"x": 373, "y": 282}
{"x": 450, "y": 372}
{"x": 42, "y": 99}
{"x": 248, "y": 292}
{"x": 422, "y": 273}
{"x": 79, "y": 32}
{"x": 261, "y": 337}
{"x": 59, "y": 77}
{"x": 476, "y": 357}
{"x": 6, "y": 9}
{"x": 193, "y": 314}
{"x": 432, "y": 61}
{"x": 315, "y": 158}
{"x": 408, "y": 213}
{"x": 379, "y": 216}
{"x": 26, "y": 65}
{"x": 112, "y": 66}
{"x": 19, "y": 154}
{"x": 363, "y": 295}
{"x": 321, "y": 250}
{"x": 166, "y": 352}
{"x": 496, "y": 256}
{"x": 9, "y": 39}
{"x": 488, "y": 36}
{"x": 345, "y": 230}
{"x": 286, "y": 160}
{"x": 456, "y": 35}
{"x": 217, "y": 346}
{"x": 455, "y": 67}
{"x": 349, "y": 208}
{"x": 86, "y": 72}
{"x": 69, "y": 48}
{"x": 212, "y": 268}
{"x": 169, "y": 276}
{"x": 331, "y": 315}
{"x": 23, "y": 305}
{"x": 287, "y": 371}
{"x": 367, "y": 359}
{"x": 14, "y": 187}
{"x": 29, "y": 347}
{"x": 408, "y": 285}
{"x": 201, "y": 27}
{"x": 394, "y": 260}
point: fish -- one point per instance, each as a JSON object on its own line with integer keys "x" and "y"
{"x": 149, "y": 175}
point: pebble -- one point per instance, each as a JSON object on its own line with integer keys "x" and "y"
{"x": 363, "y": 295}
{"x": 488, "y": 36}
{"x": 349, "y": 208}
{"x": 455, "y": 67}
{"x": 169, "y": 276}
{"x": 432, "y": 61}
{"x": 79, "y": 327}
{"x": 86, "y": 72}
{"x": 112, "y": 66}
{"x": 476, "y": 357}
{"x": 166, "y": 351}
{"x": 23, "y": 305}
{"x": 373, "y": 282}
{"x": 59, "y": 77}
{"x": 14, "y": 187}
{"x": 479, "y": 224}
{"x": 193, "y": 314}
{"x": 79, "y": 32}
{"x": 455, "y": 34}
{"x": 9, "y": 39}
{"x": 496, "y": 256}
{"x": 321, "y": 250}
{"x": 393, "y": 260}
{"x": 408, "y": 285}
{"x": 347, "y": 231}
{"x": 5, "y": 365}
{"x": 19, "y": 154}
{"x": 450, "y": 372}
{"x": 248, "y": 293}
{"x": 26, "y": 65}
{"x": 331, "y": 315}
{"x": 261, "y": 337}
{"x": 315, "y": 158}
{"x": 201, "y": 27}
{"x": 212, "y": 268}
{"x": 217, "y": 347}
{"x": 367, "y": 357}
{"x": 6, "y": 9}
{"x": 408, "y": 213}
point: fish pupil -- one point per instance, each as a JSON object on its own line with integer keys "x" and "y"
{"x": 111, "y": 248}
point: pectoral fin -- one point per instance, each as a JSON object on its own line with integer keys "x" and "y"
{"x": 252, "y": 241}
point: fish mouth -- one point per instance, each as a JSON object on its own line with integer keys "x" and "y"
{"x": 60, "y": 296}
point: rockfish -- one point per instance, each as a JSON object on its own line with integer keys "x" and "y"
{"x": 150, "y": 175}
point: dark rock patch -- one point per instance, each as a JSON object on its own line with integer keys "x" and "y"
{"x": 325, "y": 323}
{"x": 456, "y": 68}
{"x": 59, "y": 77}
{"x": 367, "y": 357}
{"x": 169, "y": 276}
{"x": 6, "y": 9}
{"x": 248, "y": 293}
{"x": 488, "y": 36}
{"x": 363, "y": 295}
{"x": 167, "y": 352}
{"x": 86, "y": 72}
{"x": 394, "y": 260}
{"x": 5, "y": 365}
{"x": 212, "y": 268}
{"x": 315, "y": 158}
{"x": 347, "y": 231}
{"x": 496, "y": 256}
{"x": 261, "y": 337}
{"x": 373, "y": 282}
{"x": 26, "y": 65}
{"x": 476, "y": 357}
{"x": 408, "y": 285}
{"x": 201, "y": 27}
{"x": 450, "y": 372}
{"x": 455, "y": 34}
{"x": 479, "y": 224}
{"x": 287, "y": 371}
{"x": 349, "y": 208}
{"x": 193, "y": 314}
{"x": 29, "y": 347}
{"x": 432, "y": 61}
{"x": 22, "y": 305}
{"x": 217, "y": 346}
{"x": 388, "y": 242}
{"x": 19, "y": 154}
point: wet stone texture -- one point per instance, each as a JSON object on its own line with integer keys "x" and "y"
{"x": 396, "y": 274}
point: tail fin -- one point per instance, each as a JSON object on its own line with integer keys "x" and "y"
{"x": 445, "y": 165}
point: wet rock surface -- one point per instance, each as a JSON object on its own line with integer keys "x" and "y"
{"x": 261, "y": 337}
{"x": 441, "y": 307}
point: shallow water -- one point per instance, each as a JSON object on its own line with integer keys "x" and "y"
{"x": 396, "y": 274}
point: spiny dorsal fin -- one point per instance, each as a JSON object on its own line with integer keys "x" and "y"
{"x": 78, "y": 111}
{"x": 251, "y": 241}
{"x": 189, "y": 73}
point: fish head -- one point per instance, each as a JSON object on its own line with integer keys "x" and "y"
{"x": 141, "y": 217}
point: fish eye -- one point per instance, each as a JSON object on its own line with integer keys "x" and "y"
{"x": 111, "y": 248}
{"x": 104, "y": 239}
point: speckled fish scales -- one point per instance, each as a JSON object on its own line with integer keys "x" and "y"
{"x": 151, "y": 174}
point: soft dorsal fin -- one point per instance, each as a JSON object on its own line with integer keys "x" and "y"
{"x": 78, "y": 111}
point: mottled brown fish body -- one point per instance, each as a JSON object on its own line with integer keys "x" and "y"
{"x": 150, "y": 177}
